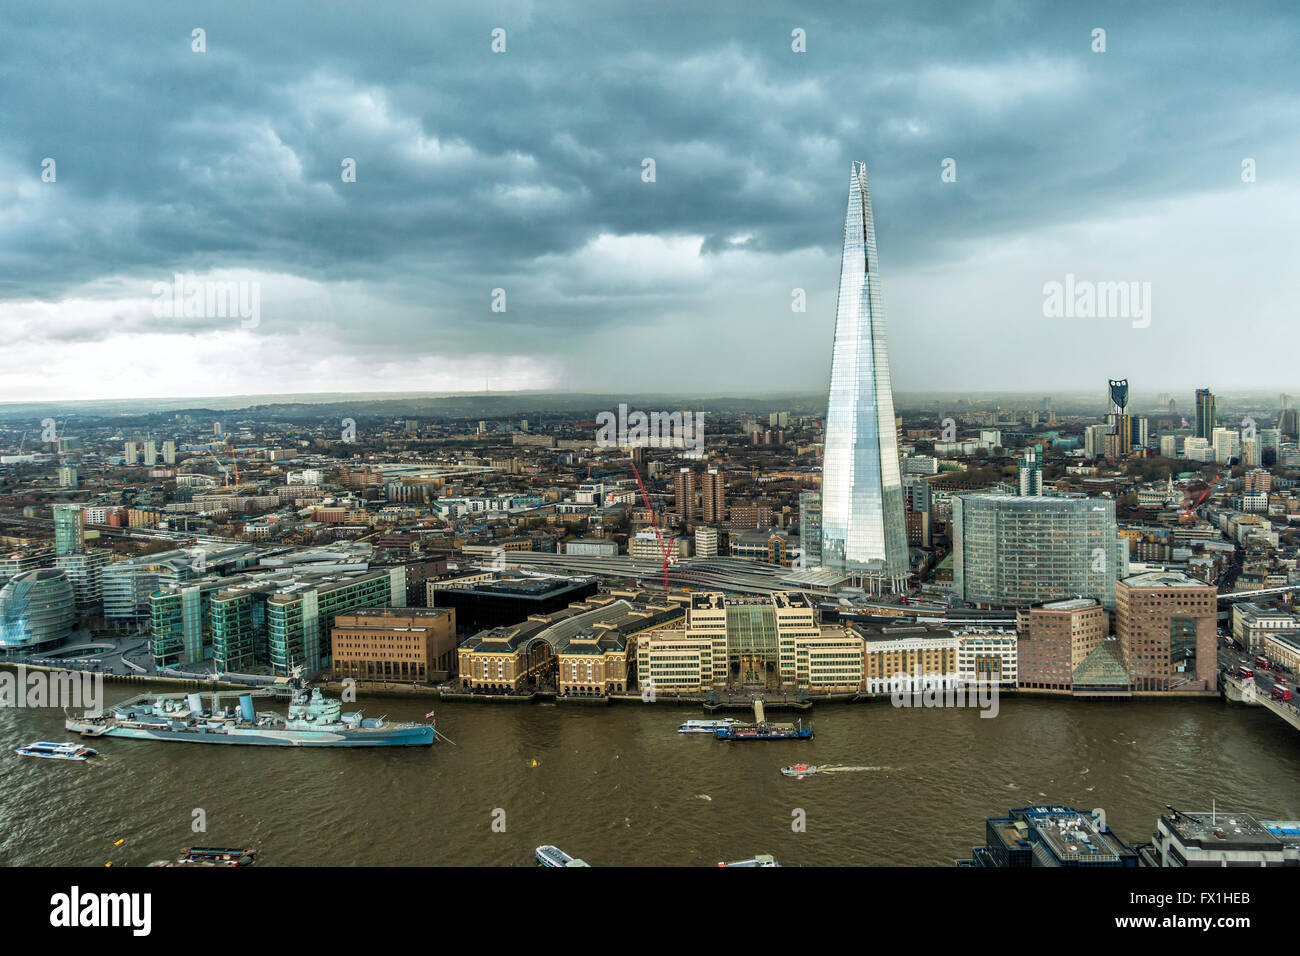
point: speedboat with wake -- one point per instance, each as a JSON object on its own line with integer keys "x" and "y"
{"x": 799, "y": 770}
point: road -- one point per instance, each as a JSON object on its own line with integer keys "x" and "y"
{"x": 1230, "y": 658}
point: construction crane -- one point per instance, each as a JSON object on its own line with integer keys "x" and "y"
{"x": 224, "y": 470}
{"x": 1192, "y": 505}
{"x": 665, "y": 550}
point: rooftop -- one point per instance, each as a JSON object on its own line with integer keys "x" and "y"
{"x": 1163, "y": 579}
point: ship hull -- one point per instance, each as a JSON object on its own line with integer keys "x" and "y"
{"x": 419, "y": 736}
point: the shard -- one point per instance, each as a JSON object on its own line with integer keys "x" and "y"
{"x": 863, "y": 531}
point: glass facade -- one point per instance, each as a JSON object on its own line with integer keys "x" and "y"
{"x": 1013, "y": 552}
{"x": 69, "y": 530}
{"x": 863, "y": 531}
{"x": 37, "y": 610}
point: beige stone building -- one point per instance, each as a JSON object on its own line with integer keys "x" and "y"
{"x": 918, "y": 652}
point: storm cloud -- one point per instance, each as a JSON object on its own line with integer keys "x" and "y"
{"x": 523, "y": 171}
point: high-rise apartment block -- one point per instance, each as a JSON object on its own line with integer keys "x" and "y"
{"x": 1205, "y": 414}
{"x": 713, "y": 497}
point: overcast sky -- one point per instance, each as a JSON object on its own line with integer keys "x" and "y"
{"x": 523, "y": 171}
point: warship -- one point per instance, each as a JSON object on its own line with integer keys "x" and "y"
{"x": 313, "y": 721}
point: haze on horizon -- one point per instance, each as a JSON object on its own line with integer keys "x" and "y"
{"x": 522, "y": 171}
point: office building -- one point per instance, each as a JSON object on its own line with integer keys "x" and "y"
{"x": 1051, "y": 836}
{"x": 486, "y": 601}
{"x": 1010, "y": 551}
{"x": 909, "y": 657}
{"x": 416, "y": 645}
{"x": 1221, "y": 838}
{"x": 592, "y": 547}
{"x": 987, "y": 658}
{"x": 37, "y": 611}
{"x": 1166, "y": 624}
{"x": 1054, "y": 639}
{"x": 706, "y": 541}
{"x": 863, "y": 531}
{"x": 19, "y": 562}
{"x": 772, "y": 642}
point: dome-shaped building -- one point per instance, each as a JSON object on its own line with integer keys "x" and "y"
{"x": 37, "y": 610}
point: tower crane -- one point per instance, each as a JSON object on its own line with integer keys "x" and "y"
{"x": 665, "y": 550}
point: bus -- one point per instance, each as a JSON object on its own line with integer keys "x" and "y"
{"x": 1281, "y": 693}
{"x": 1245, "y": 673}
{"x": 1263, "y": 662}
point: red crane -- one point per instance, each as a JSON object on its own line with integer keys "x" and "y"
{"x": 1193, "y": 505}
{"x": 664, "y": 549}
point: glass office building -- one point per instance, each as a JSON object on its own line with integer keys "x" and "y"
{"x": 1010, "y": 551}
{"x": 37, "y": 611}
{"x": 863, "y": 530}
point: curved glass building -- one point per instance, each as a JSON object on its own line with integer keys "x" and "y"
{"x": 1010, "y": 551}
{"x": 863, "y": 532}
{"x": 37, "y": 610}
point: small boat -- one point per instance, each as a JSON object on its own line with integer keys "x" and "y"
{"x": 49, "y": 751}
{"x": 799, "y": 770}
{"x": 759, "y": 859}
{"x": 707, "y": 726}
{"x": 211, "y": 856}
{"x": 553, "y": 856}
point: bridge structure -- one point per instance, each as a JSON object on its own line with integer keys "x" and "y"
{"x": 1245, "y": 692}
{"x": 1233, "y": 597}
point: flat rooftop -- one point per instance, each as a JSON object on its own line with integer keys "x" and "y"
{"x": 1213, "y": 830}
{"x": 1070, "y": 604}
{"x": 1163, "y": 579}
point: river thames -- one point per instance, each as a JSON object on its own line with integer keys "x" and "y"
{"x": 618, "y": 786}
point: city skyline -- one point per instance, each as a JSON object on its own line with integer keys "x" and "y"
{"x": 387, "y": 283}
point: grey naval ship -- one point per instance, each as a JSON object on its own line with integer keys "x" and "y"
{"x": 313, "y": 721}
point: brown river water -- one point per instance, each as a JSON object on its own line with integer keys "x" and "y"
{"x": 618, "y": 786}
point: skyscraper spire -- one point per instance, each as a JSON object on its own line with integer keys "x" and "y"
{"x": 863, "y": 531}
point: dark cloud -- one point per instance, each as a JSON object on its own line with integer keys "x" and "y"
{"x": 523, "y": 170}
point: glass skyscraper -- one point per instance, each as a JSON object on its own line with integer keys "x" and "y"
{"x": 863, "y": 532}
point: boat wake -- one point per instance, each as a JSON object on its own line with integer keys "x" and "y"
{"x": 851, "y": 769}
